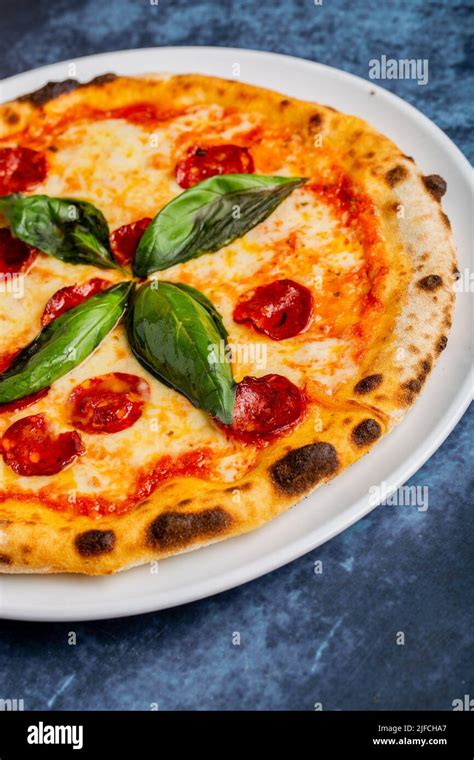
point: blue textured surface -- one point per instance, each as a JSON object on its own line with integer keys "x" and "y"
{"x": 305, "y": 637}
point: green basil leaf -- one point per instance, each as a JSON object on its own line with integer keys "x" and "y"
{"x": 207, "y": 303}
{"x": 70, "y": 230}
{"x": 175, "y": 335}
{"x": 64, "y": 343}
{"x": 208, "y": 216}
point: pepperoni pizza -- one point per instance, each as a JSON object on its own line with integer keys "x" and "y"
{"x": 213, "y": 299}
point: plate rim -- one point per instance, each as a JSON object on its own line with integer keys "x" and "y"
{"x": 273, "y": 558}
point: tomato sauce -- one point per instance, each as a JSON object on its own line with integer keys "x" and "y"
{"x": 196, "y": 463}
{"x": 362, "y": 289}
{"x": 41, "y": 134}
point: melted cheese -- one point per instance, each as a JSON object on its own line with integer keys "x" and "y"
{"x": 126, "y": 170}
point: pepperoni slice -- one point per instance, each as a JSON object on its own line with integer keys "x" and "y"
{"x": 199, "y": 163}
{"x": 108, "y": 403}
{"x": 66, "y": 298}
{"x": 280, "y": 310}
{"x": 124, "y": 240}
{"x": 6, "y": 359}
{"x": 29, "y": 448}
{"x": 265, "y": 406}
{"x": 20, "y": 168}
{"x": 21, "y": 403}
{"x": 15, "y": 256}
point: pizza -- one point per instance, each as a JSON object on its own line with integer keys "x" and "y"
{"x": 213, "y": 299}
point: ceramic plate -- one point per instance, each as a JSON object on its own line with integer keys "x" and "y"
{"x": 394, "y": 459}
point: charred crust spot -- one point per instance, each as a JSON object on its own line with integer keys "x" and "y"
{"x": 102, "y": 79}
{"x": 53, "y": 90}
{"x": 411, "y": 388}
{"x": 441, "y": 344}
{"x": 445, "y": 220}
{"x": 11, "y": 117}
{"x": 284, "y": 103}
{"x": 183, "y": 82}
{"x": 368, "y": 384}
{"x": 5, "y": 559}
{"x": 315, "y": 122}
{"x": 409, "y": 158}
{"x": 366, "y": 432}
{"x": 430, "y": 282}
{"x": 303, "y": 468}
{"x": 94, "y": 542}
{"x": 436, "y": 185}
{"x": 426, "y": 365}
{"x": 175, "y": 529}
{"x": 184, "y": 502}
{"x": 49, "y": 91}
{"x": 396, "y": 175}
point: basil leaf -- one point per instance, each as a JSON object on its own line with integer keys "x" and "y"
{"x": 204, "y": 301}
{"x": 70, "y": 230}
{"x": 175, "y": 335}
{"x": 64, "y": 343}
{"x": 208, "y": 216}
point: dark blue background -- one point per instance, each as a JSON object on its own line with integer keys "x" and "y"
{"x": 305, "y": 638}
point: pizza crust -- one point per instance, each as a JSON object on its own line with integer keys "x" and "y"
{"x": 186, "y": 513}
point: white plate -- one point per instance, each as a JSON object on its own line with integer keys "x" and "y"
{"x": 335, "y": 506}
